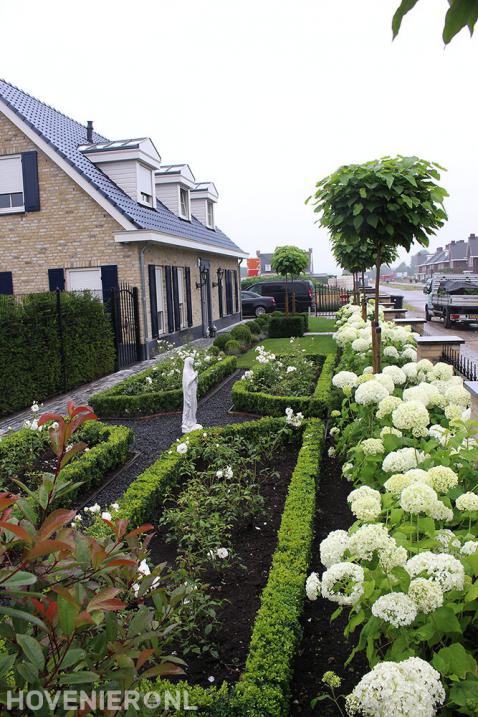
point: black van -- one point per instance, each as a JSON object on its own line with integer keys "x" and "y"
{"x": 303, "y": 289}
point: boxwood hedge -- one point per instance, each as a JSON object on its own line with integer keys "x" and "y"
{"x": 114, "y": 403}
{"x": 286, "y": 326}
{"x": 109, "y": 447}
{"x": 264, "y": 687}
{"x": 265, "y": 404}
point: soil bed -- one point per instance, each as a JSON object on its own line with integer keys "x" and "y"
{"x": 323, "y": 645}
{"x": 240, "y": 585}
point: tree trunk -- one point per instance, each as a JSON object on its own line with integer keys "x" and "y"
{"x": 293, "y": 295}
{"x": 286, "y": 297}
{"x": 376, "y": 330}
{"x": 364, "y": 298}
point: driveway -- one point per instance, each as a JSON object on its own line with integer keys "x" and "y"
{"x": 417, "y": 299}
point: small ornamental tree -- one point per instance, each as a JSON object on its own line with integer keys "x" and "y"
{"x": 378, "y": 207}
{"x": 289, "y": 261}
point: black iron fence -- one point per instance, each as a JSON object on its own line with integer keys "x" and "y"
{"x": 467, "y": 367}
{"x": 329, "y": 299}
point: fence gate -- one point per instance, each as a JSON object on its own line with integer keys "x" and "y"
{"x": 125, "y": 318}
{"x": 329, "y": 299}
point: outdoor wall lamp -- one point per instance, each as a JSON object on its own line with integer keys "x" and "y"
{"x": 220, "y": 274}
{"x": 203, "y": 276}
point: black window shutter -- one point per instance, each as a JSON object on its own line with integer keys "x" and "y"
{"x": 31, "y": 189}
{"x": 152, "y": 300}
{"x": 228, "y": 292}
{"x": 236, "y": 292}
{"x": 219, "y": 294}
{"x": 109, "y": 280}
{"x": 169, "y": 298}
{"x": 177, "y": 311}
{"x": 56, "y": 279}
{"x": 6, "y": 282}
{"x": 189, "y": 303}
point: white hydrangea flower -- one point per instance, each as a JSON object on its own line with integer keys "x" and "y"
{"x": 333, "y": 547}
{"x": 467, "y": 502}
{"x": 293, "y": 419}
{"x": 440, "y": 371}
{"x": 387, "y": 406}
{"x": 442, "y": 478}
{"x": 331, "y": 452}
{"x": 418, "y": 498}
{"x": 453, "y": 412}
{"x": 361, "y": 492}
{"x": 372, "y": 446}
{"x": 441, "y": 433}
{"x": 396, "y": 483}
{"x": 182, "y": 448}
{"x": 442, "y": 568}
{"x": 426, "y": 594}
{"x": 367, "y": 539}
{"x": 347, "y": 468}
{"x": 424, "y": 365}
{"x": 410, "y": 370}
{"x": 312, "y": 586}
{"x": 367, "y": 370}
{"x": 370, "y": 392}
{"x": 398, "y": 376}
{"x": 366, "y": 508}
{"x": 248, "y": 375}
{"x": 402, "y": 460}
{"x": 396, "y": 608}
{"x": 343, "y": 583}
{"x": 458, "y": 396}
{"x": 425, "y": 393}
{"x": 392, "y": 556}
{"x": 345, "y": 378}
{"x": 391, "y": 352}
{"x": 398, "y": 689}
{"x": 361, "y": 345}
{"x": 291, "y": 369}
{"x": 470, "y": 547}
{"x": 440, "y": 511}
{"x": 106, "y": 515}
{"x": 334, "y": 431}
{"x": 447, "y": 541}
{"x": 411, "y": 415}
{"x": 386, "y": 381}
{"x": 390, "y": 431}
{"x": 409, "y": 354}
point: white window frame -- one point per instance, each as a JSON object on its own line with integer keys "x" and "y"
{"x": 97, "y": 292}
{"x": 16, "y": 189}
{"x": 182, "y": 297}
{"x": 267, "y": 267}
{"x": 161, "y": 310}
{"x": 210, "y": 213}
{"x": 182, "y": 191}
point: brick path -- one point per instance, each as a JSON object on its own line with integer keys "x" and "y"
{"x": 82, "y": 394}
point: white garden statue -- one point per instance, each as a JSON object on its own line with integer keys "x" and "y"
{"x": 190, "y": 399}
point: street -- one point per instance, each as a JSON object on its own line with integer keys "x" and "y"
{"x": 417, "y": 299}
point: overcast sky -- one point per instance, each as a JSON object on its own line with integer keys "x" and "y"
{"x": 263, "y": 97}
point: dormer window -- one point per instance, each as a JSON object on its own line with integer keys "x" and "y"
{"x": 11, "y": 184}
{"x": 184, "y": 202}
{"x": 210, "y": 214}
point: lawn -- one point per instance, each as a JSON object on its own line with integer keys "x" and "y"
{"x": 312, "y": 344}
{"x": 320, "y": 323}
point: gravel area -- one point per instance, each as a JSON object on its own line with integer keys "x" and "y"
{"x": 154, "y": 435}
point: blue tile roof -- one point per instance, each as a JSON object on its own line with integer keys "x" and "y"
{"x": 65, "y": 136}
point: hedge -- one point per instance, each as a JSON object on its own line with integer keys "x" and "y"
{"x": 30, "y": 350}
{"x": 286, "y": 326}
{"x": 266, "y": 404}
{"x": 264, "y": 687}
{"x": 113, "y": 403}
{"x": 109, "y": 447}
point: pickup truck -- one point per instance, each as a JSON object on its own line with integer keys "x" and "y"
{"x": 452, "y": 297}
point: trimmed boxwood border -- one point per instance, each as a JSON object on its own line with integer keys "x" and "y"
{"x": 114, "y": 404}
{"x": 265, "y": 404}
{"x": 113, "y": 444}
{"x": 264, "y": 687}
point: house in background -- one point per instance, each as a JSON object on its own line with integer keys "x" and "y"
{"x": 266, "y": 263}
{"x": 78, "y": 211}
{"x": 456, "y": 257}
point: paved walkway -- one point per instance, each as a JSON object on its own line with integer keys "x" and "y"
{"x": 81, "y": 395}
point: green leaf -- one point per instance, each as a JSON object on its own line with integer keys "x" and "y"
{"x": 78, "y": 678}
{"x": 454, "y": 661}
{"x": 357, "y": 208}
{"x": 446, "y": 621}
{"x": 461, "y": 13}
{"x": 67, "y": 613}
{"x": 22, "y": 615}
{"x": 19, "y": 579}
{"x": 358, "y": 221}
{"x": 72, "y": 657}
{"x": 32, "y": 650}
{"x": 405, "y": 6}
{"x": 465, "y": 694}
{"x": 6, "y": 664}
{"x": 372, "y": 219}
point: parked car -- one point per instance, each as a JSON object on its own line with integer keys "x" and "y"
{"x": 303, "y": 288}
{"x": 452, "y": 297}
{"x": 255, "y": 305}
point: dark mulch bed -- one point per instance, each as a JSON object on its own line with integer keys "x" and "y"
{"x": 241, "y": 585}
{"x": 324, "y": 646}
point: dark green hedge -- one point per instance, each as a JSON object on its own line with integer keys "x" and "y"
{"x": 266, "y": 404}
{"x": 30, "y": 351}
{"x": 286, "y": 326}
{"x": 108, "y": 449}
{"x": 264, "y": 687}
{"x": 114, "y": 403}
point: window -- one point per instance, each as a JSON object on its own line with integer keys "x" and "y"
{"x": 145, "y": 185}
{"x": 11, "y": 184}
{"x": 210, "y": 215}
{"x": 181, "y": 298}
{"x": 267, "y": 267}
{"x": 184, "y": 203}
{"x": 160, "y": 304}
{"x": 85, "y": 280}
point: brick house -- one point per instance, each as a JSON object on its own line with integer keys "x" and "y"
{"x": 266, "y": 263}
{"x": 78, "y": 211}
